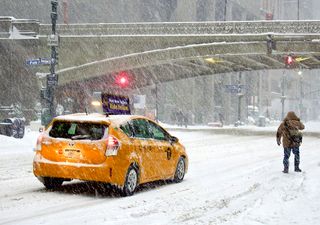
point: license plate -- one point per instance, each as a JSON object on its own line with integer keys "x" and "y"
{"x": 72, "y": 153}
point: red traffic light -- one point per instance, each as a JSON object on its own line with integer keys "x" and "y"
{"x": 289, "y": 60}
{"x": 122, "y": 79}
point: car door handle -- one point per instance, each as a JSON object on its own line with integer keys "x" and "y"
{"x": 169, "y": 153}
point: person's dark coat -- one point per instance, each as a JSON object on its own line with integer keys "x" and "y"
{"x": 291, "y": 121}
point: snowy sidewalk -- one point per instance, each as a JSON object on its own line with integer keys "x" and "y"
{"x": 312, "y": 129}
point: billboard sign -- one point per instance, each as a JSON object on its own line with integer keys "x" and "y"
{"x": 115, "y": 104}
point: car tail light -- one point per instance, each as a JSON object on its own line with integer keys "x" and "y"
{"x": 39, "y": 142}
{"x": 113, "y": 146}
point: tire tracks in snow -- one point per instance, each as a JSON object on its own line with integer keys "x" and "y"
{"x": 53, "y": 210}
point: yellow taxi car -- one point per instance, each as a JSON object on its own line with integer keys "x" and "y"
{"x": 122, "y": 150}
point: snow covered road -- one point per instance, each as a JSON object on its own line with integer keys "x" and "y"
{"x": 231, "y": 180}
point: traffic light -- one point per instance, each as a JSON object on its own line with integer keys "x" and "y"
{"x": 289, "y": 61}
{"x": 54, "y": 14}
{"x": 123, "y": 79}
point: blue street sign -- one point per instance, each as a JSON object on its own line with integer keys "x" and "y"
{"x": 45, "y": 61}
{"x": 234, "y": 88}
{"x": 40, "y": 61}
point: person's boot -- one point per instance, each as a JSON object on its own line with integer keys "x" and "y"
{"x": 285, "y": 170}
{"x": 297, "y": 169}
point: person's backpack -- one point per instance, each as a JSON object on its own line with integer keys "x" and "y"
{"x": 295, "y": 134}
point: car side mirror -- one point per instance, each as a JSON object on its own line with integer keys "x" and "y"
{"x": 173, "y": 139}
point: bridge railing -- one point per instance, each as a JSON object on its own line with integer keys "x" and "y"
{"x": 192, "y": 28}
{"x": 25, "y": 27}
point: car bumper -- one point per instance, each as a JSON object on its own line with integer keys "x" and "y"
{"x": 106, "y": 172}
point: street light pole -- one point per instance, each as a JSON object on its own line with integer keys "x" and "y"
{"x": 301, "y": 94}
{"x": 239, "y": 99}
{"x": 157, "y": 102}
{"x": 298, "y": 9}
{"x": 225, "y": 9}
{"x": 52, "y": 77}
{"x": 283, "y": 97}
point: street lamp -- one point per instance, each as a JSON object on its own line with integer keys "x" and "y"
{"x": 301, "y": 93}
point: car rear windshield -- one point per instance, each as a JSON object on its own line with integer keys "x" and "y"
{"x": 77, "y": 130}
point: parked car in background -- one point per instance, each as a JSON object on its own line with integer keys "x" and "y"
{"x": 122, "y": 150}
{"x": 10, "y": 125}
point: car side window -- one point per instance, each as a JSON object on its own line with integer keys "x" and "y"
{"x": 157, "y": 132}
{"x": 140, "y": 128}
{"x": 126, "y": 128}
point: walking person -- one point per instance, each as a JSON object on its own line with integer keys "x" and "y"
{"x": 291, "y": 140}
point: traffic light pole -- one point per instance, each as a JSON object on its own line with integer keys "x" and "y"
{"x": 52, "y": 78}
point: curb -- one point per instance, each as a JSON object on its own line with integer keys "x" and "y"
{"x": 240, "y": 131}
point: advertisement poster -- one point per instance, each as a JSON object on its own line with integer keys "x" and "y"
{"x": 115, "y": 104}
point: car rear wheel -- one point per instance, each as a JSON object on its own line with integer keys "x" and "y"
{"x": 180, "y": 170}
{"x": 21, "y": 131}
{"x": 52, "y": 183}
{"x": 131, "y": 182}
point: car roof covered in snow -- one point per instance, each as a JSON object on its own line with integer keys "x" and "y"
{"x": 97, "y": 118}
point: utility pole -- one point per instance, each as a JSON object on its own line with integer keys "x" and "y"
{"x": 52, "y": 78}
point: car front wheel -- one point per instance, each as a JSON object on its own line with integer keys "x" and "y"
{"x": 180, "y": 170}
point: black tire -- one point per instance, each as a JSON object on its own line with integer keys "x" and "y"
{"x": 131, "y": 182}
{"x": 21, "y": 131}
{"x": 16, "y": 128}
{"x": 180, "y": 170}
{"x": 52, "y": 183}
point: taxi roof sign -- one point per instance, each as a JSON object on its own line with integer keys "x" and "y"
{"x": 115, "y": 104}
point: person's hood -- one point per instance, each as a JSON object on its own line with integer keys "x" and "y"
{"x": 291, "y": 116}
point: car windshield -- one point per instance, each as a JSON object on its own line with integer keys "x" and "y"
{"x": 77, "y": 130}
